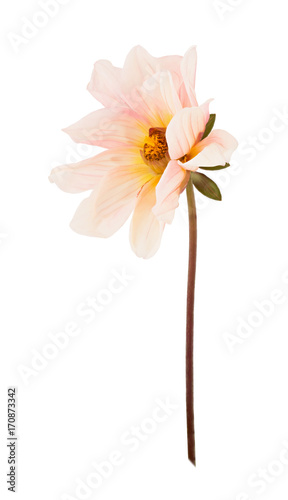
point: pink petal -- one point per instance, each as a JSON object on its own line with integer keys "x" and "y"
{"x": 109, "y": 128}
{"x": 105, "y": 83}
{"x": 172, "y": 183}
{"x": 87, "y": 174}
{"x": 183, "y": 96}
{"x": 205, "y": 107}
{"x": 216, "y": 149}
{"x": 173, "y": 65}
{"x": 157, "y": 100}
{"x": 146, "y": 230}
{"x": 110, "y": 205}
{"x": 188, "y": 69}
{"x": 140, "y": 66}
{"x": 185, "y": 130}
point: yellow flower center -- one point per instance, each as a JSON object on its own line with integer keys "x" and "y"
{"x": 155, "y": 147}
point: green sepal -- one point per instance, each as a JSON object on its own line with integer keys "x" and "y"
{"x": 218, "y": 167}
{"x": 206, "y": 186}
{"x": 209, "y": 126}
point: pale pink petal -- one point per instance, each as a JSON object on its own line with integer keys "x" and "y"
{"x": 157, "y": 100}
{"x": 183, "y": 96}
{"x": 205, "y": 107}
{"x": 188, "y": 69}
{"x": 173, "y": 65}
{"x": 109, "y": 128}
{"x": 184, "y": 130}
{"x": 110, "y": 205}
{"x": 87, "y": 174}
{"x": 140, "y": 66}
{"x": 173, "y": 181}
{"x": 139, "y": 70}
{"x": 146, "y": 230}
{"x": 105, "y": 83}
{"x": 215, "y": 150}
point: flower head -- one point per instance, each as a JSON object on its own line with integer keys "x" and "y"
{"x": 155, "y": 135}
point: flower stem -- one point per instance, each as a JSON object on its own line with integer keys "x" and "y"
{"x": 190, "y": 321}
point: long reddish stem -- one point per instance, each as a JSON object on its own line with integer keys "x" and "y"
{"x": 190, "y": 322}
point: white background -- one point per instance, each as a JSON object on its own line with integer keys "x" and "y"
{"x": 73, "y": 412}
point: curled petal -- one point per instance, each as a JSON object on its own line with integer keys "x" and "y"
{"x": 87, "y": 174}
{"x": 216, "y": 149}
{"x": 110, "y": 205}
{"x": 172, "y": 183}
{"x": 146, "y": 230}
{"x": 108, "y": 128}
{"x": 105, "y": 83}
{"x": 185, "y": 130}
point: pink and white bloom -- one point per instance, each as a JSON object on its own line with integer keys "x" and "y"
{"x": 152, "y": 128}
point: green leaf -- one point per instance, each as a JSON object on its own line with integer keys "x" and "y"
{"x": 209, "y": 126}
{"x": 218, "y": 167}
{"x": 206, "y": 186}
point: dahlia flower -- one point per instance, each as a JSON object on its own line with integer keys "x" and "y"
{"x": 156, "y": 138}
{"x": 153, "y": 130}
